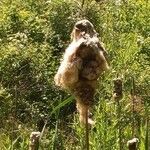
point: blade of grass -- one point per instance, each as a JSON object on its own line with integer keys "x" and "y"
{"x": 65, "y": 102}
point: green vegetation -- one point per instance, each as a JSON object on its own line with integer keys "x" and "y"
{"x": 33, "y": 36}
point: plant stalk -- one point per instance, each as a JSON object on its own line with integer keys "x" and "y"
{"x": 87, "y": 130}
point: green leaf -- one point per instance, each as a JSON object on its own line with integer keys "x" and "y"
{"x": 62, "y": 104}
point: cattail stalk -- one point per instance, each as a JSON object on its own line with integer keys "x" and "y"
{"x": 34, "y": 141}
{"x": 133, "y": 108}
{"x": 87, "y": 130}
{"x": 147, "y": 134}
{"x": 83, "y": 1}
{"x": 132, "y": 144}
{"x": 117, "y": 95}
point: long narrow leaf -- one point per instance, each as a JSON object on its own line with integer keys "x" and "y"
{"x": 67, "y": 101}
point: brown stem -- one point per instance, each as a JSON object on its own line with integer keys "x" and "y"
{"x": 133, "y": 109}
{"x": 84, "y": 119}
{"x": 83, "y": 1}
{"x": 117, "y": 95}
{"x": 87, "y": 129}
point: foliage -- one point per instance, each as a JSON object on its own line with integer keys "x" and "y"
{"x": 33, "y": 36}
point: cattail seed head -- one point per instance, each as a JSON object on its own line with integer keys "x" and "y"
{"x": 117, "y": 93}
{"x": 132, "y": 144}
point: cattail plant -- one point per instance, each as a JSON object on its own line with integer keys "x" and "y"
{"x": 132, "y": 144}
{"x": 136, "y": 109}
{"x": 84, "y": 61}
{"x": 117, "y": 95}
{"x": 34, "y": 141}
